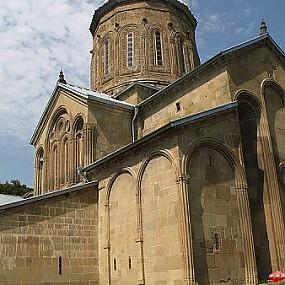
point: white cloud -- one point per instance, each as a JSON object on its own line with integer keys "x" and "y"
{"x": 38, "y": 38}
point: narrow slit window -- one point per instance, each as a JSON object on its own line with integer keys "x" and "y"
{"x": 107, "y": 56}
{"x": 210, "y": 161}
{"x": 115, "y": 264}
{"x": 130, "y": 51}
{"x": 217, "y": 241}
{"x": 130, "y": 263}
{"x": 60, "y": 265}
{"x": 158, "y": 49}
{"x": 178, "y": 106}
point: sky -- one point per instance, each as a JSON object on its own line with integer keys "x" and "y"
{"x": 38, "y": 38}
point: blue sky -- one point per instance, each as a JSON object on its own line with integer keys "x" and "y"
{"x": 38, "y": 38}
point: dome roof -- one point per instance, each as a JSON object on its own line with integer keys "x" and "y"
{"x": 111, "y": 4}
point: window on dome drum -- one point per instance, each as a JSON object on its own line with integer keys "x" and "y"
{"x": 130, "y": 51}
{"x": 107, "y": 56}
{"x": 158, "y": 49}
{"x": 181, "y": 56}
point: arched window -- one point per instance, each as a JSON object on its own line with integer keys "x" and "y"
{"x": 40, "y": 164}
{"x": 55, "y": 168}
{"x": 79, "y": 143}
{"x": 181, "y": 56}
{"x": 158, "y": 49}
{"x": 107, "y": 56}
{"x": 130, "y": 51}
{"x": 66, "y": 160}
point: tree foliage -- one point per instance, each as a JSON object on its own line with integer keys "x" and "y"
{"x": 15, "y": 188}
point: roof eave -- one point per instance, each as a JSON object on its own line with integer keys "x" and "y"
{"x": 106, "y": 7}
{"x": 170, "y": 125}
{"x": 49, "y": 195}
{"x": 218, "y": 61}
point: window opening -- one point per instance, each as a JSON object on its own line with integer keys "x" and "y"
{"x": 107, "y": 56}
{"x": 178, "y": 106}
{"x": 130, "y": 263}
{"x": 115, "y": 264}
{"x": 217, "y": 241}
{"x": 158, "y": 48}
{"x": 60, "y": 265}
{"x": 130, "y": 51}
{"x": 210, "y": 161}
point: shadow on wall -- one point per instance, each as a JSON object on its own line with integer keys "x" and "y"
{"x": 218, "y": 251}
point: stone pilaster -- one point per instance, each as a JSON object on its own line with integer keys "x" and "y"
{"x": 189, "y": 273}
{"x": 247, "y": 235}
{"x": 270, "y": 168}
{"x": 107, "y": 246}
{"x": 139, "y": 239}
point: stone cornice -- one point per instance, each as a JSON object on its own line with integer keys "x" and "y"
{"x": 111, "y": 4}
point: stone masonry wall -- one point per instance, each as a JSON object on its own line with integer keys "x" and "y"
{"x": 50, "y": 242}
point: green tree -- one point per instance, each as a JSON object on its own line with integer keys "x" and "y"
{"x": 15, "y": 188}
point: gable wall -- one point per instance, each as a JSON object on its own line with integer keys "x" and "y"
{"x": 74, "y": 106}
{"x": 248, "y": 72}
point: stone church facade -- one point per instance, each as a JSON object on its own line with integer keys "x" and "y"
{"x": 165, "y": 172}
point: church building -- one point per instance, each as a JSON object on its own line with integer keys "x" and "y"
{"x": 165, "y": 171}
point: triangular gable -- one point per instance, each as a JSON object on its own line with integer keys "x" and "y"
{"x": 83, "y": 95}
{"x": 51, "y": 103}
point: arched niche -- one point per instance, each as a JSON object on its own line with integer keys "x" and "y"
{"x": 39, "y": 171}
{"x": 107, "y": 51}
{"x": 214, "y": 211}
{"x": 161, "y": 220}
{"x": 182, "y": 54}
{"x": 158, "y": 48}
{"x": 249, "y": 111}
{"x": 130, "y": 46}
{"x": 124, "y": 251}
{"x": 274, "y": 97}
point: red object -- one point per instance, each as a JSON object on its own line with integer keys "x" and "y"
{"x": 277, "y": 276}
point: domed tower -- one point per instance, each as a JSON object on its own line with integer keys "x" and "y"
{"x": 150, "y": 41}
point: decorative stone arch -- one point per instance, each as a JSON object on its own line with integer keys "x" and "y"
{"x": 242, "y": 197}
{"x": 65, "y": 151}
{"x": 150, "y": 156}
{"x": 273, "y": 176}
{"x": 183, "y": 53}
{"x": 111, "y": 37}
{"x": 108, "y": 246}
{"x": 60, "y": 111}
{"x": 112, "y": 179}
{"x": 223, "y": 149}
{"x": 165, "y": 46}
{"x": 39, "y": 170}
{"x": 250, "y": 98}
{"x": 269, "y": 82}
{"x": 137, "y": 46}
{"x": 40, "y": 150}
{"x": 75, "y": 121}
